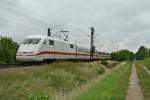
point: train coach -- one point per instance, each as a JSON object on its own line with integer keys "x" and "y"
{"x": 37, "y": 48}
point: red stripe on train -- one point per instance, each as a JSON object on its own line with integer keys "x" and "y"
{"x": 50, "y": 52}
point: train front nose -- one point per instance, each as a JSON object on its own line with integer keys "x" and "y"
{"x": 26, "y": 53}
{"x": 28, "y": 50}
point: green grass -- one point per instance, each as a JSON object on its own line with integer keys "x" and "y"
{"x": 145, "y": 62}
{"x": 112, "y": 87}
{"x": 42, "y": 83}
{"x": 144, "y": 81}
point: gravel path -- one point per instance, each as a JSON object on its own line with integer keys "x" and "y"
{"x": 134, "y": 91}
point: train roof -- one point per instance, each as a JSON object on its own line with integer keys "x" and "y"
{"x": 46, "y": 37}
{"x": 36, "y": 36}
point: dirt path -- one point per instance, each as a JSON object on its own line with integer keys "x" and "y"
{"x": 134, "y": 91}
{"x": 145, "y": 69}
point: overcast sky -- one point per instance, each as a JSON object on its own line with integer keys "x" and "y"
{"x": 122, "y": 24}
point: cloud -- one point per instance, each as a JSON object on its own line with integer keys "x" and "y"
{"x": 117, "y": 22}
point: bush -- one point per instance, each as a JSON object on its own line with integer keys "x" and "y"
{"x": 8, "y": 49}
{"x": 104, "y": 62}
{"x": 111, "y": 65}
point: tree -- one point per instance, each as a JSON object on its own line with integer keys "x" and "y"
{"x": 123, "y": 55}
{"x": 142, "y": 53}
{"x": 8, "y": 49}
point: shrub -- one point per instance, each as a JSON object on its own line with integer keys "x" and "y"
{"x": 112, "y": 64}
{"x": 104, "y": 62}
{"x": 8, "y": 49}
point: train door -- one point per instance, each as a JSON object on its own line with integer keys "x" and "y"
{"x": 72, "y": 50}
{"x": 43, "y": 55}
{"x": 47, "y": 50}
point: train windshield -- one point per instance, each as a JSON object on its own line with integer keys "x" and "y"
{"x": 31, "y": 41}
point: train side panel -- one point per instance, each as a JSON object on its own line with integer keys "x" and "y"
{"x": 46, "y": 50}
{"x": 53, "y": 49}
{"x": 83, "y": 53}
{"x": 65, "y": 50}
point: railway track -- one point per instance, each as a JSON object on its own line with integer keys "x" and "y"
{"x": 24, "y": 65}
{"x": 19, "y": 65}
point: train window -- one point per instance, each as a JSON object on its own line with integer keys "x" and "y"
{"x": 51, "y": 42}
{"x": 44, "y": 42}
{"x": 31, "y": 41}
{"x": 71, "y": 45}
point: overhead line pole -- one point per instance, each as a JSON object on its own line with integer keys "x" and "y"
{"x": 92, "y": 43}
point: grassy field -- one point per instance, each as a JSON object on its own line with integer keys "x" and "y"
{"x": 42, "y": 83}
{"x": 113, "y": 87}
{"x": 145, "y": 62}
{"x": 144, "y": 81}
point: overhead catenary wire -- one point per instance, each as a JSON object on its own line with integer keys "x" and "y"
{"x": 13, "y": 8}
{"x": 7, "y": 6}
{"x": 12, "y": 11}
{"x": 19, "y": 25}
{"x": 36, "y": 25}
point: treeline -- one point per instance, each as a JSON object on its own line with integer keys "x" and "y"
{"x": 126, "y": 55}
{"x": 123, "y": 55}
{"x": 8, "y": 49}
{"x": 142, "y": 53}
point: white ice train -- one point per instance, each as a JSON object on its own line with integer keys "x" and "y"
{"x": 37, "y": 48}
